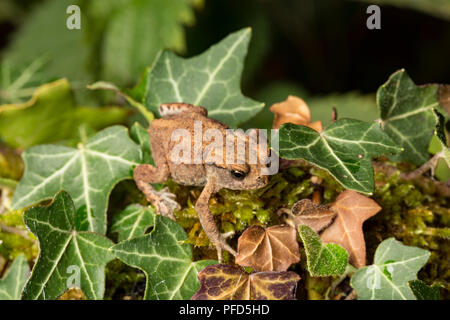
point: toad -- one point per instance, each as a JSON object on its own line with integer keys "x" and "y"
{"x": 193, "y": 162}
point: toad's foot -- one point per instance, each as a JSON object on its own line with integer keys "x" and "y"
{"x": 221, "y": 244}
{"x": 165, "y": 203}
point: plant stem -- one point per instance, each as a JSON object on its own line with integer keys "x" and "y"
{"x": 8, "y": 183}
{"x": 352, "y": 295}
{"x": 442, "y": 188}
{"x": 14, "y": 230}
{"x": 429, "y": 165}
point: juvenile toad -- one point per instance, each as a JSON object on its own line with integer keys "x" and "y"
{"x": 214, "y": 172}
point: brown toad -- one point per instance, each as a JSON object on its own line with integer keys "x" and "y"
{"x": 189, "y": 159}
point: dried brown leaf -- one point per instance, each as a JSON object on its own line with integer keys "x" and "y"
{"x": 352, "y": 210}
{"x": 315, "y": 216}
{"x": 224, "y": 282}
{"x": 444, "y": 97}
{"x": 271, "y": 249}
{"x": 73, "y": 293}
{"x": 293, "y": 110}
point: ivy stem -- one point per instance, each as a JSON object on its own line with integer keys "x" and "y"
{"x": 442, "y": 188}
{"x": 8, "y": 183}
{"x": 429, "y": 165}
{"x": 102, "y": 85}
{"x": 14, "y": 230}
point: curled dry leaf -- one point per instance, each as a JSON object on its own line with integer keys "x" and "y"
{"x": 444, "y": 97}
{"x": 223, "y": 282}
{"x": 271, "y": 249}
{"x": 73, "y": 293}
{"x": 317, "y": 217}
{"x": 352, "y": 210}
{"x": 293, "y": 110}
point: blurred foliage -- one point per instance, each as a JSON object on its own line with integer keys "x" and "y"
{"x": 117, "y": 39}
{"x": 52, "y": 115}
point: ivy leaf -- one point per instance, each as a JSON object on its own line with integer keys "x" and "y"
{"x": 223, "y": 282}
{"x": 317, "y": 217}
{"x": 133, "y": 221}
{"x": 210, "y": 80}
{"x": 324, "y": 260}
{"x": 402, "y": 106}
{"x": 344, "y": 149}
{"x": 88, "y": 173}
{"x": 423, "y": 292}
{"x": 52, "y": 115}
{"x": 352, "y": 210}
{"x": 387, "y": 279}
{"x": 65, "y": 253}
{"x": 442, "y": 170}
{"x": 140, "y": 136}
{"x": 165, "y": 260}
{"x": 12, "y": 283}
{"x": 271, "y": 249}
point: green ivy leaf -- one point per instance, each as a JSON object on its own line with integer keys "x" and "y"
{"x": 210, "y": 80}
{"x": 88, "y": 173}
{"x": 165, "y": 260}
{"x": 402, "y": 106}
{"x": 140, "y": 136}
{"x": 52, "y": 115}
{"x": 12, "y": 283}
{"x": 387, "y": 279}
{"x": 138, "y": 25}
{"x": 133, "y": 221}
{"x": 65, "y": 253}
{"x": 423, "y": 292}
{"x": 344, "y": 149}
{"x": 324, "y": 260}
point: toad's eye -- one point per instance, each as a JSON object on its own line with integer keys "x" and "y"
{"x": 238, "y": 174}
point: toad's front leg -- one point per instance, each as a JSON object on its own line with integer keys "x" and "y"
{"x": 163, "y": 200}
{"x": 207, "y": 220}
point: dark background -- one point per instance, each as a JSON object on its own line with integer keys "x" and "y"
{"x": 325, "y": 45}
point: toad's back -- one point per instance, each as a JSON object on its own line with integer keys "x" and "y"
{"x": 168, "y": 136}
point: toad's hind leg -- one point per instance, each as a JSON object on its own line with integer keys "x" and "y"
{"x": 163, "y": 200}
{"x": 208, "y": 223}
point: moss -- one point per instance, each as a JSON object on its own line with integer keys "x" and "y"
{"x": 413, "y": 214}
{"x": 236, "y": 210}
{"x": 417, "y": 216}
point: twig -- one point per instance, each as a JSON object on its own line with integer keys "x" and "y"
{"x": 429, "y": 165}
{"x": 8, "y": 183}
{"x": 14, "y": 230}
{"x": 334, "y": 114}
{"x": 442, "y": 188}
{"x": 352, "y": 295}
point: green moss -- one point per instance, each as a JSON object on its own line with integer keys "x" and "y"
{"x": 417, "y": 216}
{"x": 13, "y": 244}
{"x": 237, "y": 210}
{"x": 413, "y": 214}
